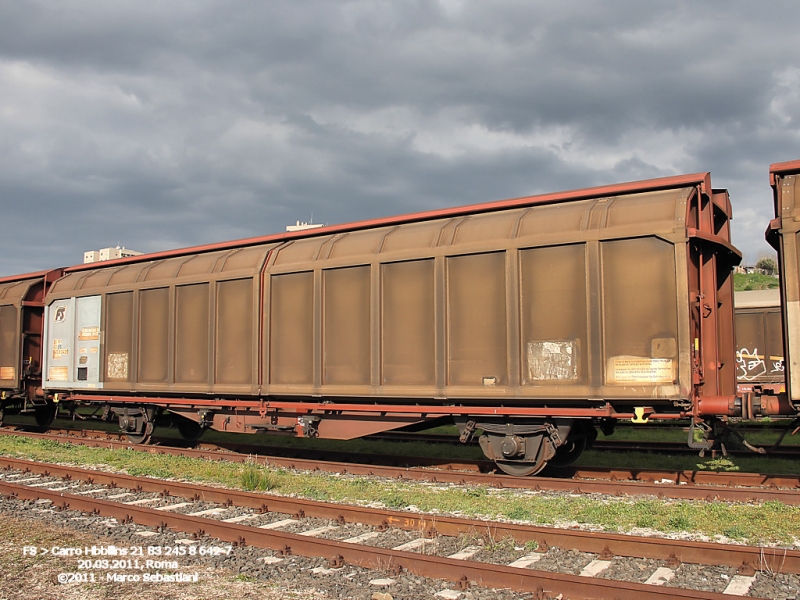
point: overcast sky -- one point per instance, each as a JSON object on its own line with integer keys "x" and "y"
{"x": 170, "y": 124}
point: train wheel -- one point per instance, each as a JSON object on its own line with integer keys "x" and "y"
{"x": 517, "y": 455}
{"x": 520, "y": 469}
{"x": 581, "y": 436}
{"x": 568, "y": 452}
{"x": 137, "y": 424}
{"x": 45, "y": 415}
{"x": 143, "y": 438}
{"x": 189, "y": 430}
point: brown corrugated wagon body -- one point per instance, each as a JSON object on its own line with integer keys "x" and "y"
{"x": 21, "y": 326}
{"x": 759, "y": 340}
{"x": 531, "y": 319}
{"x": 783, "y": 234}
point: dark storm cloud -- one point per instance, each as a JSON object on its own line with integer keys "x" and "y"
{"x": 159, "y": 125}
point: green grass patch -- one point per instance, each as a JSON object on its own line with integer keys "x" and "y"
{"x": 753, "y": 281}
{"x": 770, "y": 522}
{"x": 254, "y": 479}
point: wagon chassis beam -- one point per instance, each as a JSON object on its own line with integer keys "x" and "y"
{"x": 607, "y": 411}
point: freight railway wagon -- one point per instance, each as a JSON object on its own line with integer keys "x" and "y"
{"x": 21, "y": 324}
{"x": 759, "y": 341}
{"x": 531, "y": 320}
{"x": 783, "y": 234}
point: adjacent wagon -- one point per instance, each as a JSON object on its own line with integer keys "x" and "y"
{"x": 759, "y": 341}
{"x": 21, "y": 326}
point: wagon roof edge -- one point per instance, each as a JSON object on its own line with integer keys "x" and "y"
{"x": 702, "y": 179}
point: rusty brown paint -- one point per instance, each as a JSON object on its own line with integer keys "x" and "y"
{"x": 21, "y": 330}
{"x": 783, "y": 234}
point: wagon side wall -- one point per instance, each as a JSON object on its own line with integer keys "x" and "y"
{"x": 185, "y": 325}
{"x": 784, "y": 235}
{"x": 567, "y": 302}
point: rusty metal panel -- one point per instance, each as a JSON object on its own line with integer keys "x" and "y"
{"x": 119, "y": 337}
{"x": 13, "y": 293}
{"x": 126, "y": 275}
{"x": 292, "y": 329}
{"x": 300, "y": 251}
{"x": 346, "y": 326}
{"x": 14, "y": 319}
{"x": 545, "y": 220}
{"x": 358, "y": 243}
{"x": 784, "y": 236}
{"x": 154, "y": 334}
{"x": 246, "y": 259}
{"x": 191, "y": 333}
{"x": 96, "y": 281}
{"x": 725, "y": 334}
{"x": 655, "y": 210}
{"x": 408, "y": 335}
{"x": 554, "y": 315}
{"x": 189, "y": 267}
{"x": 477, "y": 337}
{"x": 759, "y": 337}
{"x": 64, "y": 286}
{"x": 9, "y": 346}
{"x": 234, "y": 339}
{"x": 773, "y": 339}
{"x": 640, "y": 324}
{"x": 202, "y": 264}
{"x": 750, "y": 347}
{"x": 415, "y": 236}
{"x": 529, "y": 299}
{"x": 491, "y": 227}
{"x": 757, "y": 299}
{"x": 164, "y": 270}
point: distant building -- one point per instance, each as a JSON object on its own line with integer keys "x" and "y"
{"x": 748, "y": 270}
{"x": 108, "y": 254}
{"x": 300, "y": 226}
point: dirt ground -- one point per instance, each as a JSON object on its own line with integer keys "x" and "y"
{"x": 36, "y": 577}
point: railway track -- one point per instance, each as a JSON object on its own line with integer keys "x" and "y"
{"x": 786, "y": 451}
{"x": 688, "y": 485}
{"x": 429, "y": 546}
{"x": 669, "y": 447}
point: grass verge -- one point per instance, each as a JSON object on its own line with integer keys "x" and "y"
{"x": 766, "y": 523}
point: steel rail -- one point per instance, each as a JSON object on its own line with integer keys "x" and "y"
{"x": 372, "y": 557}
{"x": 746, "y": 558}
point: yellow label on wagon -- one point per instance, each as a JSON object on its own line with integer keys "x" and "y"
{"x": 58, "y": 374}
{"x": 638, "y": 369}
{"x": 89, "y": 333}
{"x": 7, "y": 373}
